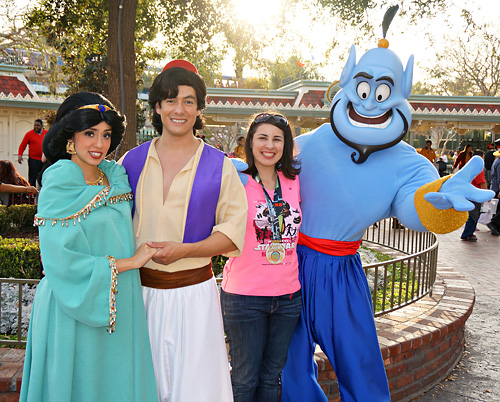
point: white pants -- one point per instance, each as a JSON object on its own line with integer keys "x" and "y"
{"x": 187, "y": 341}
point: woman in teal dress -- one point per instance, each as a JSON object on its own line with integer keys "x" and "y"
{"x": 88, "y": 337}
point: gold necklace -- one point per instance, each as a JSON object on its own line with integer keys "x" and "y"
{"x": 99, "y": 181}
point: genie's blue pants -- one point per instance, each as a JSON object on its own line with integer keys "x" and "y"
{"x": 337, "y": 315}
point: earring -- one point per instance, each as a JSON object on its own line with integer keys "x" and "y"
{"x": 70, "y": 148}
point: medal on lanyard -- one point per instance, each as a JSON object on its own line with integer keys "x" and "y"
{"x": 275, "y": 251}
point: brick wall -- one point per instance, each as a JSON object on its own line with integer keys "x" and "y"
{"x": 11, "y": 367}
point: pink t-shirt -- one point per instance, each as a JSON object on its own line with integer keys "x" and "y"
{"x": 251, "y": 274}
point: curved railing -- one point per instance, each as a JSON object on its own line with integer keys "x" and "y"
{"x": 407, "y": 277}
{"x": 400, "y": 281}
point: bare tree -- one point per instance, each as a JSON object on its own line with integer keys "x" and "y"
{"x": 468, "y": 66}
{"x": 440, "y": 135}
{"x": 224, "y": 137}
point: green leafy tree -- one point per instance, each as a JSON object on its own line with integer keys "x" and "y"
{"x": 77, "y": 33}
{"x": 89, "y": 39}
{"x": 254, "y": 83}
{"x": 242, "y": 39}
{"x": 281, "y": 72}
{"x": 88, "y": 44}
{"x": 355, "y": 11}
{"x": 338, "y": 23}
{"x": 192, "y": 30}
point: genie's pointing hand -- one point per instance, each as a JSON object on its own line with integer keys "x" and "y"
{"x": 458, "y": 192}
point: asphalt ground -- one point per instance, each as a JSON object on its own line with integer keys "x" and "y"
{"x": 477, "y": 375}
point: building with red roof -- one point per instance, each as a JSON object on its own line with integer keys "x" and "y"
{"x": 306, "y": 104}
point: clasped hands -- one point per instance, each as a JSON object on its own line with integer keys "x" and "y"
{"x": 167, "y": 252}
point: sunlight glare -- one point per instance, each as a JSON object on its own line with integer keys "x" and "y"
{"x": 257, "y": 12}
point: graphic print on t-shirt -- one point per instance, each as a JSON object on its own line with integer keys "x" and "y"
{"x": 263, "y": 231}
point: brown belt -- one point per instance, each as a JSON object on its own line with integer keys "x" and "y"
{"x": 153, "y": 278}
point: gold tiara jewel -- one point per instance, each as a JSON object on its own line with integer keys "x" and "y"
{"x": 100, "y": 108}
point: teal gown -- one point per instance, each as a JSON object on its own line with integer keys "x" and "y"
{"x": 70, "y": 356}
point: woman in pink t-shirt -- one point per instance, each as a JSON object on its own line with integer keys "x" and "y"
{"x": 260, "y": 296}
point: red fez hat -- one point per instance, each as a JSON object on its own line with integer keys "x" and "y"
{"x": 182, "y": 64}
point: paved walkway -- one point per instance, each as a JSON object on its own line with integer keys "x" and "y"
{"x": 477, "y": 376}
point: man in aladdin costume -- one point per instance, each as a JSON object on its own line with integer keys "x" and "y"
{"x": 190, "y": 204}
{"x": 356, "y": 171}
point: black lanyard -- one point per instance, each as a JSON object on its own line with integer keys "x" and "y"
{"x": 275, "y": 208}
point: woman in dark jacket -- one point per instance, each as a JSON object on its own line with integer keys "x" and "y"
{"x": 463, "y": 157}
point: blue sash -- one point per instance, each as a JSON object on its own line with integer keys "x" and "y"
{"x": 204, "y": 198}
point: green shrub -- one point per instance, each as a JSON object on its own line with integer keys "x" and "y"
{"x": 3, "y": 220}
{"x": 218, "y": 263}
{"x": 17, "y": 220}
{"x": 20, "y": 258}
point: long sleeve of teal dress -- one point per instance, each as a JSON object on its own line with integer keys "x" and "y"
{"x": 70, "y": 356}
{"x": 79, "y": 280}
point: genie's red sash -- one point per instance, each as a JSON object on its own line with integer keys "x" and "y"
{"x": 330, "y": 247}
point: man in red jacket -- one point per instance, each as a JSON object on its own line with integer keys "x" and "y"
{"x": 34, "y": 139}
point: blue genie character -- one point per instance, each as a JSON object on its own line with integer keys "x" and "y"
{"x": 356, "y": 171}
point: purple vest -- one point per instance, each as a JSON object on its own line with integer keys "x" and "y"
{"x": 204, "y": 198}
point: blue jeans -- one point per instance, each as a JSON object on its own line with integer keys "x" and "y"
{"x": 471, "y": 224}
{"x": 259, "y": 330}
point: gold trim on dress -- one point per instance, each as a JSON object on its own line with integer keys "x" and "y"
{"x": 112, "y": 294}
{"x": 99, "y": 200}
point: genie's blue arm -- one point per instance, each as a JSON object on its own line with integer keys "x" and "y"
{"x": 240, "y": 166}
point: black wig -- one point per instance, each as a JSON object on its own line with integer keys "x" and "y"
{"x": 70, "y": 119}
{"x": 166, "y": 86}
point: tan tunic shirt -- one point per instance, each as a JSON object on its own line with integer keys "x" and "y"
{"x": 155, "y": 220}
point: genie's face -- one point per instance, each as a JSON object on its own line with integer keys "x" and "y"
{"x": 371, "y": 112}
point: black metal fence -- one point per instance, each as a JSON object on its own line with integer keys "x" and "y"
{"x": 395, "y": 283}
{"x": 146, "y": 134}
{"x": 406, "y": 278}
{"x": 17, "y": 328}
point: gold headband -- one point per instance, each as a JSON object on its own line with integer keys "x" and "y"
{"x": 100, "y": 108}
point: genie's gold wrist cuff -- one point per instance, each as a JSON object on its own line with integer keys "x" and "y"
{"x": 437, "y": 220}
